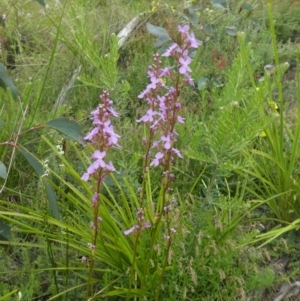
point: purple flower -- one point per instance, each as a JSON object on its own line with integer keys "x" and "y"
{"x": 91, "y": 135}
{"x": 131, "y": 230}
{"x": 183, "y": 29}
{"x": 148, "y": 117}
{"x": 95, "y": 199}
{"x": 166, "y": 71}
{"x": 112, "y": 136}
{"x": 85, "y": 177}
{"x": 189, "y": 79}
{"x": 180, "y": 119}
{"x": 147, "y": 225}
{"x": 98, "y": 163}
{"x": 167, "y": 141}
{"x": 157, "y": 159}
{"x": 109, "y": 167}
{"x": 184, "y": 65}
{"x": 192, "y": 40}
{"x": 144, "y": 93}
{"x": 169, "y": 51}
{"x": 177, "y": 152}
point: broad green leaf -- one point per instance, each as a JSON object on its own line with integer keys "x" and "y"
{"x": 221, "y": 4}
{"x": 161, "y": 41}
{"x": 68, "y": 127}
{"x": 158, "y": 31}
{"x": 32, "y": 160}
{"x": 4, "y": 232}
{"x": 208, "y": 28}
{"x": 52, "y": 200}
{"x": 41, "y": 2}
{"x": 231, "y": 30}
{"x": 3, "y": 171}
{"x": 5, "y": 82}
{"x": 202, "y": 83}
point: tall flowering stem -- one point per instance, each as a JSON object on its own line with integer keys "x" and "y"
{"x": 103, "y": 138}
{"x": 163, "y": 97}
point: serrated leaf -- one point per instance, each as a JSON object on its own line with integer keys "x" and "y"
{"x": 231, "y": 30}
{"x": 202, "y": 83}
{"x": 52, "y": 200}
{"x": 5, "y": 82}
{"x": 68, "y": 127}
{"x": 221, "y": 4}
{"x": 158, "y": 31}
{"x": 4, "y": 232}
{"x": 32, "y": 160}
{"x": 41, "y": 2}
{"x": 3, "y": 171}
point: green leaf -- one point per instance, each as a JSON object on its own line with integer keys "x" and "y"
{"x": 5, "y": 82}
{"x": 158, "y": 31}
{"x": 191, "y": 14}
{"x": 52, "y": 200}
{"x": 41, "y": 2}
{"x": 4, "y": 232}
{"x": 208, "y": 28}
{"x": 202, "y": 83}
{"x": 221, "y": 4}
{"x": 68, "y": 127}
{"x": 5, "y": 297}
{"x": 231, "y": 30}
{"x": 160, "y": 42}
{"x": 33, "y": 161}
{"x": 247, "y": 6}
{"x": 2, "y": 123}
{"x": 3, "y": 172}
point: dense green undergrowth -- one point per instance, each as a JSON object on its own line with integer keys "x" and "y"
{"x": 236, "y": 188}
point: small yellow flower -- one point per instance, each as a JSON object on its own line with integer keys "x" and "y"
{"x": 263, "y": 134}
{"x": 273, "y": 105}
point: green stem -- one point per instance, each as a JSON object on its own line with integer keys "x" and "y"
{"x": 133, "y": 265}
